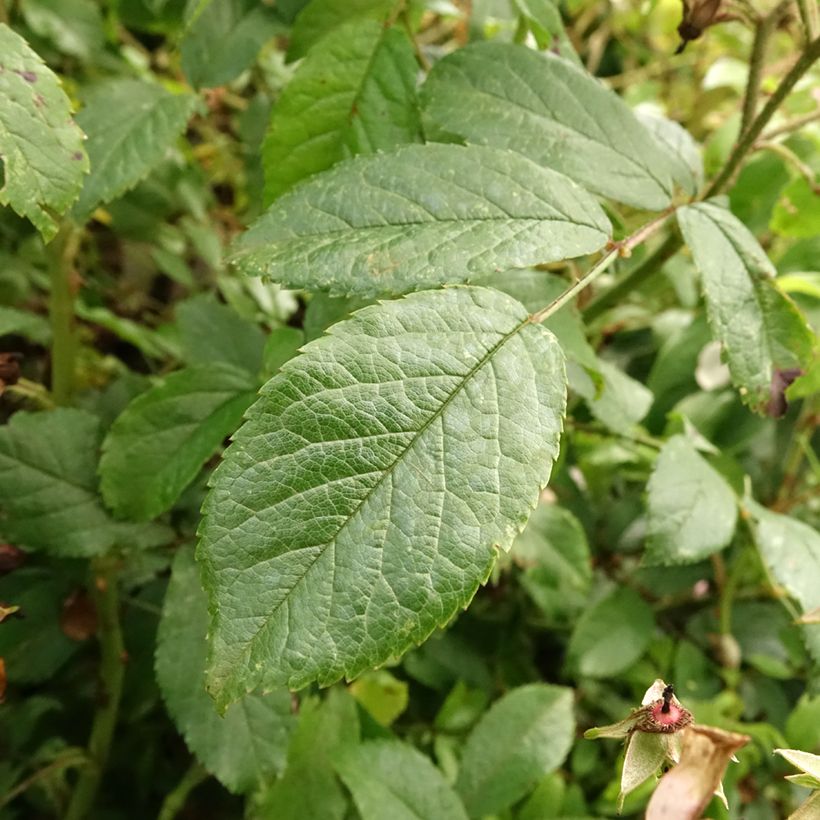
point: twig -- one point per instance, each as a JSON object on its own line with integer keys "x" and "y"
{"x": 809, "y": 17}
{"x": 787, "y": 154}
{"x": 791, "y": 125}
{"x": 176, "y": 799}
{"x": 618, "y": 249}
{"x": 112, "y": 671}
{"x": 68, "y": 759}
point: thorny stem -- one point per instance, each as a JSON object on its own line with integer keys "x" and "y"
{"x": 112, "y": 671}
{"x": 61, "y": 311}
{"x": 618, "y": 249}
{"x": 176, "y": 799}
{"x": 742, "y": 147}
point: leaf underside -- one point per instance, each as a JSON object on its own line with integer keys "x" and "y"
{"x": 360, "y": 505}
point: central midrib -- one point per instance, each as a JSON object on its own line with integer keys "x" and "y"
{"x": 388, "y": 472}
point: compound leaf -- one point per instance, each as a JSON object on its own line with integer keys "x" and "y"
{"x": 551, "y": 111}
{"x": 422, "y": 216}
{"x": 361, "y": 504}
{"x": 246, "y": 747}
{"x": 761, "y": 329}
{"x": 42, "y": 159}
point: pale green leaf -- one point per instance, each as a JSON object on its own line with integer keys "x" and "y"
{"x": 524, "y": 735}
{"x": 612, "y": 634}
{"x": 553, "y": 548}
{"x": 790, "y": 550}
{"x": 619, "y": 401}
{"x": 551, "y": 111}
{"x": 692, "y": 510}
{"x": 42, "y": 159}
{"x": 158, "y": 445}
{"x": 245, "y": 747}
{"x": 679, "y": 148}
{"x": 354, "y": 95}
{"x": 130, "y": 124}
{"x": 808, "y": 763}
{"x": 211, "y": 333}
{"x": 422, "y": 216}
{"x": 761, "y": 330}
{"x": 225, "y": 39}
{"x": 382, "y": 695}
{"x": 309, "y": 790}
{"x": 810, "y": 810}
{"x": 320, "y": 17}
{"x": 361, "y": 504}
{"x": 645, "y": 752}
{"x": 389, "y": 779}
{"x": 48, "y": 487}
{"x": 797, "y": 212}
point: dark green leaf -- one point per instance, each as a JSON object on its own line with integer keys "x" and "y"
{"x": 361, "y": 504}
{"x": 551, "y": 111}
{"x": 246, "y": 746}
{"x": 130, "y": 124}
{"x": 423, "y": 216}
{"x": 161, "y": 440}
{"x": 391, "y": 779}
{"x": 225, "y": 39}
{"x": 354, "y": 95}
{"x": 761, "y": 330}
{"x": 42, "y": 158}
{"x": 692, "y": 510}
{"x": 524, "y": 736}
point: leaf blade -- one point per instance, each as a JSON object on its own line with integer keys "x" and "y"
{"x": 360, "y": 465}
{"x": 422, "y": 216}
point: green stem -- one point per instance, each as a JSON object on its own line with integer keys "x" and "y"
{"x": 618, "y": 249}
{"x": 112, "y": 671}
{"x": 809, "y": 17}
{"x": 69, "y": 759}
{"x": 763, "y": 31}
{"x": 749, "y": 136}
{"x": 175, "y": 800}
{"x": 672, "y": 243}
{"x": 634, "y": 279}
{"x": 61, "y": 310}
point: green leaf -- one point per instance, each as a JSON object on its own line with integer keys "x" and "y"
{"x": 158, "y": 445}
{"x": 74, "y": 26}
{"x": 760, "y": 329}
{"x": 354, "y": 95}
{"x": 645, "y": 752}
{"x": 619, "y": 401}
{"x": 33, "y": 646}
{"x": 423, "y": 216}
{"x": 612, "y": 634}
{"x": 525, "y": 735}
{"x": 797, "y": 213}
{"x": 130, "y": 124}
{"x": 42, "y": 158}
{"x": 692, "y": 510}
{"x": 808, "y": 763}
{"x": 320, "y": 17}
{"x": 551, "y": 111}
{"x": 24, "y": 323}
{"x": 48, "y": 487}
{"x": 362, "y": 503}
{"x": 554, "y": 550}
{"x": 213, "y": 333}
{"x": 382, "y": 695}
{"x": 680, "y": 149}
{"x": 246, "y": 747}
{"x": 388, "y": 778}
{"x": 225, "y": 40}
{"x": 309, "y": 789}
{"x": 282, "y": 344}
{"x": 790, "y": 549}
{"x": 544, "y": 19}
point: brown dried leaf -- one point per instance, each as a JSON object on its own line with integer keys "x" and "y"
{"x": 78, "y": 619}
{"x": 685, "y": 791}
{"x": 11, "y": 558}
